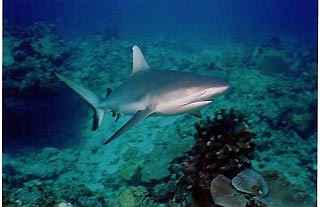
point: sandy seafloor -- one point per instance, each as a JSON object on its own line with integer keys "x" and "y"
{"x": 273, "y": 82}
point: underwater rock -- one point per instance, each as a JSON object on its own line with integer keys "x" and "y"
{"x": 223, "y": 146}
{"x": 131, "y": 152}
{"x": 272, "y": 61}
{"x": 204, "y": 59}
{"x": 283, "y": 193}
{"x": 129, "y": 198}
{"x": 30, "y": 58}
{"x": 301, "y": 123}
{"x": 164, "y": 191}
{"x": 155, "y": 170}
{"x": 95, "y": 187}
{"x": 273, "y": 64}
{"x": 64, "y": 204}
{"x": 130, "y": 168}
{"x": 224, "y": 194}
{"x": 48, "y": 153}
{"x": 37, "y": 30}
{"x": 249, "y": 181}
{"x": 5, "y": 200}
{"x": 231, "y": 60}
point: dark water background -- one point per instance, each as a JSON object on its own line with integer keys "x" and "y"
{"x": 214, "y": 19}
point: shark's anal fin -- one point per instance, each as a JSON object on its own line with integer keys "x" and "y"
{"x": 118, "y": 116}
{"x": 140, "y": 115}
{"x": 108, "y": 92}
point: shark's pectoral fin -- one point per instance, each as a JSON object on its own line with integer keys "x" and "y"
{"x": 196, "y": 113}
{"x": 141, "y": 114}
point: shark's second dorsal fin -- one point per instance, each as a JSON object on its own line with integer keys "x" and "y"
{"x": 139, "y": 63}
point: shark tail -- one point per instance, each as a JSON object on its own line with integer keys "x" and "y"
{"x": 92, "y": 99}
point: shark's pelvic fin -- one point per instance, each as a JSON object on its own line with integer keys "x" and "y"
{"x": 109, "y": 90}
{"x": 140, "y": 115}
{"x": 139, "y": 63}
{"x": 92, "y": 99}
{"x": 196, "y": 113}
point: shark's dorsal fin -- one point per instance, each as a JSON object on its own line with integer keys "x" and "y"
{"x": 139, "y": 63}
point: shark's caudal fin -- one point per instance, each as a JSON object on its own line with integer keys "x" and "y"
{"x": 92, "y": 99}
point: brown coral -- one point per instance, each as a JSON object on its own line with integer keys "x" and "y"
{"x": 223, "y": 145}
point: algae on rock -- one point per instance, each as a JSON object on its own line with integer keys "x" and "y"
{"x": 130, "y": 168}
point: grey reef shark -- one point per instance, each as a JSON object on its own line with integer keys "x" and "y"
{"x": 151, "y": 92}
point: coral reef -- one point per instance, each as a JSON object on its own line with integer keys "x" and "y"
{"x": 283, "y": 193}
{"x": 223, "y": 146}
{"x": 251, "y": 182}
{"x": 162, "y": 172}
{"x": 30, "y": 56}
{"x": 229, "y": 193}
{"x": 302, "y": 122}
{"x": 272, "y": 61}
{"x": 224, "y": 194}
{"x": 231, "y": 181}
{"x": 273, "y": 64}
{"x": 283, "y": 109}
{"x": 130, "y": 168}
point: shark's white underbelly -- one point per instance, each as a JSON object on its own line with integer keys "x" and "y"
{"x": 177, "y": 108}
{"x": 131, "y": 108}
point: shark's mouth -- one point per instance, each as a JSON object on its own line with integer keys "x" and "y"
{"x": 193, "y": 105}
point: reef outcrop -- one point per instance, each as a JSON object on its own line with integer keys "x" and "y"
{"x": 223, "y": 146}
{"x": 30, "y": 56}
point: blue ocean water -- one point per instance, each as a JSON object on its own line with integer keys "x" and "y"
{"x": 267, "y": 51}
{"x": 297, "y": 18}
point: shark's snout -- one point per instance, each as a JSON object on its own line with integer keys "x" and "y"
{"x": 218, "y": 90}
{"x": 224, "y": 88}
{"x": 219, "y": 87}
{"x": 223, "y": 83}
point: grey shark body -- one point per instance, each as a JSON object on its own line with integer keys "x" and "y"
{"x": 152, "y": 92}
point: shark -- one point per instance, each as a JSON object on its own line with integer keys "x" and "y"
{"x": 151, "y": 92}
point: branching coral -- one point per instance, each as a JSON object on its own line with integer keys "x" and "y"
{"x": 223, "y": 146}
